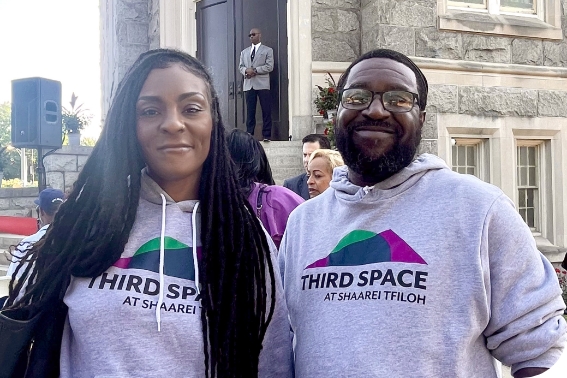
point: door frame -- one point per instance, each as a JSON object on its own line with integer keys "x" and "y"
{"x": 178, "y": 29}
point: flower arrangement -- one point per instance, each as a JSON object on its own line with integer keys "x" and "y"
{"x": 327, "y": 98}
{"x": 74, "y": 119}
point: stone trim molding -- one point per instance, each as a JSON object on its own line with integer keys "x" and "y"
{"x": 459, "y": 65}
{"x": 546, "y": 25}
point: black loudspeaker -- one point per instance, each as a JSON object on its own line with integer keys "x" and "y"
{"x": 36, "y": 113}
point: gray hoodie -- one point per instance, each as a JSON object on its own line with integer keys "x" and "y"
{"x": 427, "y": 274}
{"x": 114, "y": 327}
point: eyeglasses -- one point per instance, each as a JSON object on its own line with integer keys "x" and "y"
{"x": 392, "y": 101}
{"x": 252, "y": 35}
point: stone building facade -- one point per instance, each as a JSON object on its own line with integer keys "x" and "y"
{"x": 497, "y": 103}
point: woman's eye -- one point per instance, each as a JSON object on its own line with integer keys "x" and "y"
{"x": 193, "y": 109}
{"x": 148, "y": 112}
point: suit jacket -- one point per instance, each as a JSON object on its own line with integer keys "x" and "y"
{"x": 264, "y": 64}
{"x": 298, "y": 184}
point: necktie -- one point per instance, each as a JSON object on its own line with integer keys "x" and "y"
{"x": 253, "y": 53}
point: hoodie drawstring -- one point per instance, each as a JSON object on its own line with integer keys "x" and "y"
{"x": 161, "y": 262}
{"x": 162, "y": 256}
{"x": 195, "y": 259}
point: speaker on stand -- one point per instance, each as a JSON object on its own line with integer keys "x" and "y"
{"x": 36, "y": 118}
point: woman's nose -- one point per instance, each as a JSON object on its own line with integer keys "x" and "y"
{"x": 173, "y": 122}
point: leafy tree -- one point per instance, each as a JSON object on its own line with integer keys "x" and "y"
{"x": 9, "y": 159}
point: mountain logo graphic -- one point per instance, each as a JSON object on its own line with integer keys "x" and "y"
{"x": 361, "y": 247}
{"x": 178, "y": 259}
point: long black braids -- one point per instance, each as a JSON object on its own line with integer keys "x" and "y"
{"x": 92, "y": 227}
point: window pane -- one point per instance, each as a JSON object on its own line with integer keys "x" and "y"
{"x": 523, "y": 176}
{"x": 470, "y": 171}
{"x": 531, "y": 155}
{"x": 522, "y": 4}
{"x": 454, "y": 155}
{"x": 530, "y": 197}
{"x": 461, "y": 156}
{"x": 523, "y": 152}
{"x": 530, "y": 217}
{"x": 468, "y": 1}
{"x": 523, "y": 214}
{"x": 532, "y": 176}
{"x": 521, "y": 198}
{"x": 470, "y": 155}
{"x": 462, "y": 169}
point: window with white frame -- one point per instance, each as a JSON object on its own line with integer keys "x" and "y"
{"x": 498, "y": 6}
{"x": 528, "y": 182}
{"x": 527, "y": 18}
{"x": 468, "y": 156}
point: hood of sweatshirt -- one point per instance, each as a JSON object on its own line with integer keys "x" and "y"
{"x": 152, "y": 192}
{"x": 390, "y": 187}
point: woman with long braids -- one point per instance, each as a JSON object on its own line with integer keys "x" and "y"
{"x": 156, "y": 254}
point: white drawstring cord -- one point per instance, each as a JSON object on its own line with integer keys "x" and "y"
{"x": 161, "y": 262}
{"x": 195, "y": 259}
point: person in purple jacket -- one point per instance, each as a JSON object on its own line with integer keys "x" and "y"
{"x": 271, "y": 203}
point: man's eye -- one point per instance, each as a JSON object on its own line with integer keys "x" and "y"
{"x": 357, "y": 99}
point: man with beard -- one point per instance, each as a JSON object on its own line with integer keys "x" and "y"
{"x": 405, "y": 268}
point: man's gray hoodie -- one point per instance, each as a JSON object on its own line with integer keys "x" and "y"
{"x": 427, "y": 274}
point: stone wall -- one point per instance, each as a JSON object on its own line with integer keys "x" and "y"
{"x": 125, "y": 30}
{"x": 335, "y": 30}
{"x": 62, "y": 169}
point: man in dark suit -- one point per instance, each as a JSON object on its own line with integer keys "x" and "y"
{"x": 256, "y": 63}
{"x": 311, "y": 142}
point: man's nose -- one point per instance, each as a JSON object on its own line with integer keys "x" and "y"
{"x": 376, "y": 109}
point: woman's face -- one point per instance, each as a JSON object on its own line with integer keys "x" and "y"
{"x": 174, "y": 126}
{"x": 319, "y": 176}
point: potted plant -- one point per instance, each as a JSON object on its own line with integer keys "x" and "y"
{"x": 74, "y": 120}
{"x": 326, "y": 103}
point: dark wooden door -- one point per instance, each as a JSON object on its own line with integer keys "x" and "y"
{"x": 222, "y": 33}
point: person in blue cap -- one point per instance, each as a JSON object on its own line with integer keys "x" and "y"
{"x": 48, "y": 203}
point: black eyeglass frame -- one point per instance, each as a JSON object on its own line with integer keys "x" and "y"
{"x": 252, "y": 35}
{"x": 414, "y": 95}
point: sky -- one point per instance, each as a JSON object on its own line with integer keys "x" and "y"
{"x": 57, "y": 40}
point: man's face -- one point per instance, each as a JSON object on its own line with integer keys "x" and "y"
{"x": 308, "y": 148}
{"x": 374, "y": 142}
{"x": 254, "y": 36}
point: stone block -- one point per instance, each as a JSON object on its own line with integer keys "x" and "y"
{"x": 554, "y": 54}
{"x": 443, "y": 99}
{"x": 22, "y": 203}
{"x": 335, "y": 47}
{"x": 527, "y": 51}
{"x": 498, "y": 101}
{"x": 401, "y": 39}
{"x": 431, "y": 43}
{"x": 429, "y": 130}
{"x": 322, "y": 20}
{"x": 55, "y": 180}
{"x": 137, "y": 32}
{"x": 135, "y": 11}
{"x": 81, "y": 160}
{"x": 128, "y": 54}
{"x": 414, "y": 13}
{"x": 370, "y": 39}
{"x": 365, "y": 3}
{"x": 4, "y": 203}
{"x": 552, "y": 104}
{"x": 68, "y": 179}
{"x": 480, "y": 48}
{"x": 428, "y": 146}
{"x": 336, "y": 3}
{"x": 61, "y": 163}
{"x": 347, "y": 21}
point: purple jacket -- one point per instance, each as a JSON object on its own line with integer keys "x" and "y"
{"x": 277, "y": 203}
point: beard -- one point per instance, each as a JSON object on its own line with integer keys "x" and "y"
{"x": 375, "y": 168}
